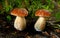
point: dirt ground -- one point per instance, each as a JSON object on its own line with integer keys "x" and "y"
{"x": 7, "y": 30}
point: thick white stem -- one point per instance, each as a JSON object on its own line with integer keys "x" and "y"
{"x": 40, "y": 24}
{"x": 20, "y": 23}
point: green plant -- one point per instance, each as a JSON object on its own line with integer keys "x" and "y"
{"x": 9, "y": 18}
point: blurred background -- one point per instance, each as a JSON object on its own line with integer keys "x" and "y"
{"x": 7, "y": 20}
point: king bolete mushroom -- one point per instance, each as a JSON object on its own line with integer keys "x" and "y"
{"x": 20, "y": 21}
{"x": 40, "y": 24}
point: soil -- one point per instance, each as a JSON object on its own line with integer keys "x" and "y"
{"x": 7, "y": 30}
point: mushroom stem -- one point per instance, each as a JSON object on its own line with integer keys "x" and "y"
{"x": 20, "y": 23}
{"x": 40, "y": 24}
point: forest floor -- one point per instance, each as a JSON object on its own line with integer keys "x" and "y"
{"x": 7, "y": 30}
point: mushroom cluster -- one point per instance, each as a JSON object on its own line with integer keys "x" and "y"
{"x": 20, "y": 21}
{"x": 40, "y": 24}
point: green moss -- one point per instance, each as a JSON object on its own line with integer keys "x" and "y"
{"x": 57, "y": 16}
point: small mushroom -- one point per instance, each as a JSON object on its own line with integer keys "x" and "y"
{"x": 40, "y": 24}
{"x": 20, "y": 21}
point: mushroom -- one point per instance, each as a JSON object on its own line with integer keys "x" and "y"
{"x": 20, "y": 21}
{"x": 40, "y": 24}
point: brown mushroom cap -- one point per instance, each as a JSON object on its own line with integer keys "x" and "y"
{"x": 43, "y": 13}
{"x": 19, "y": 12}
